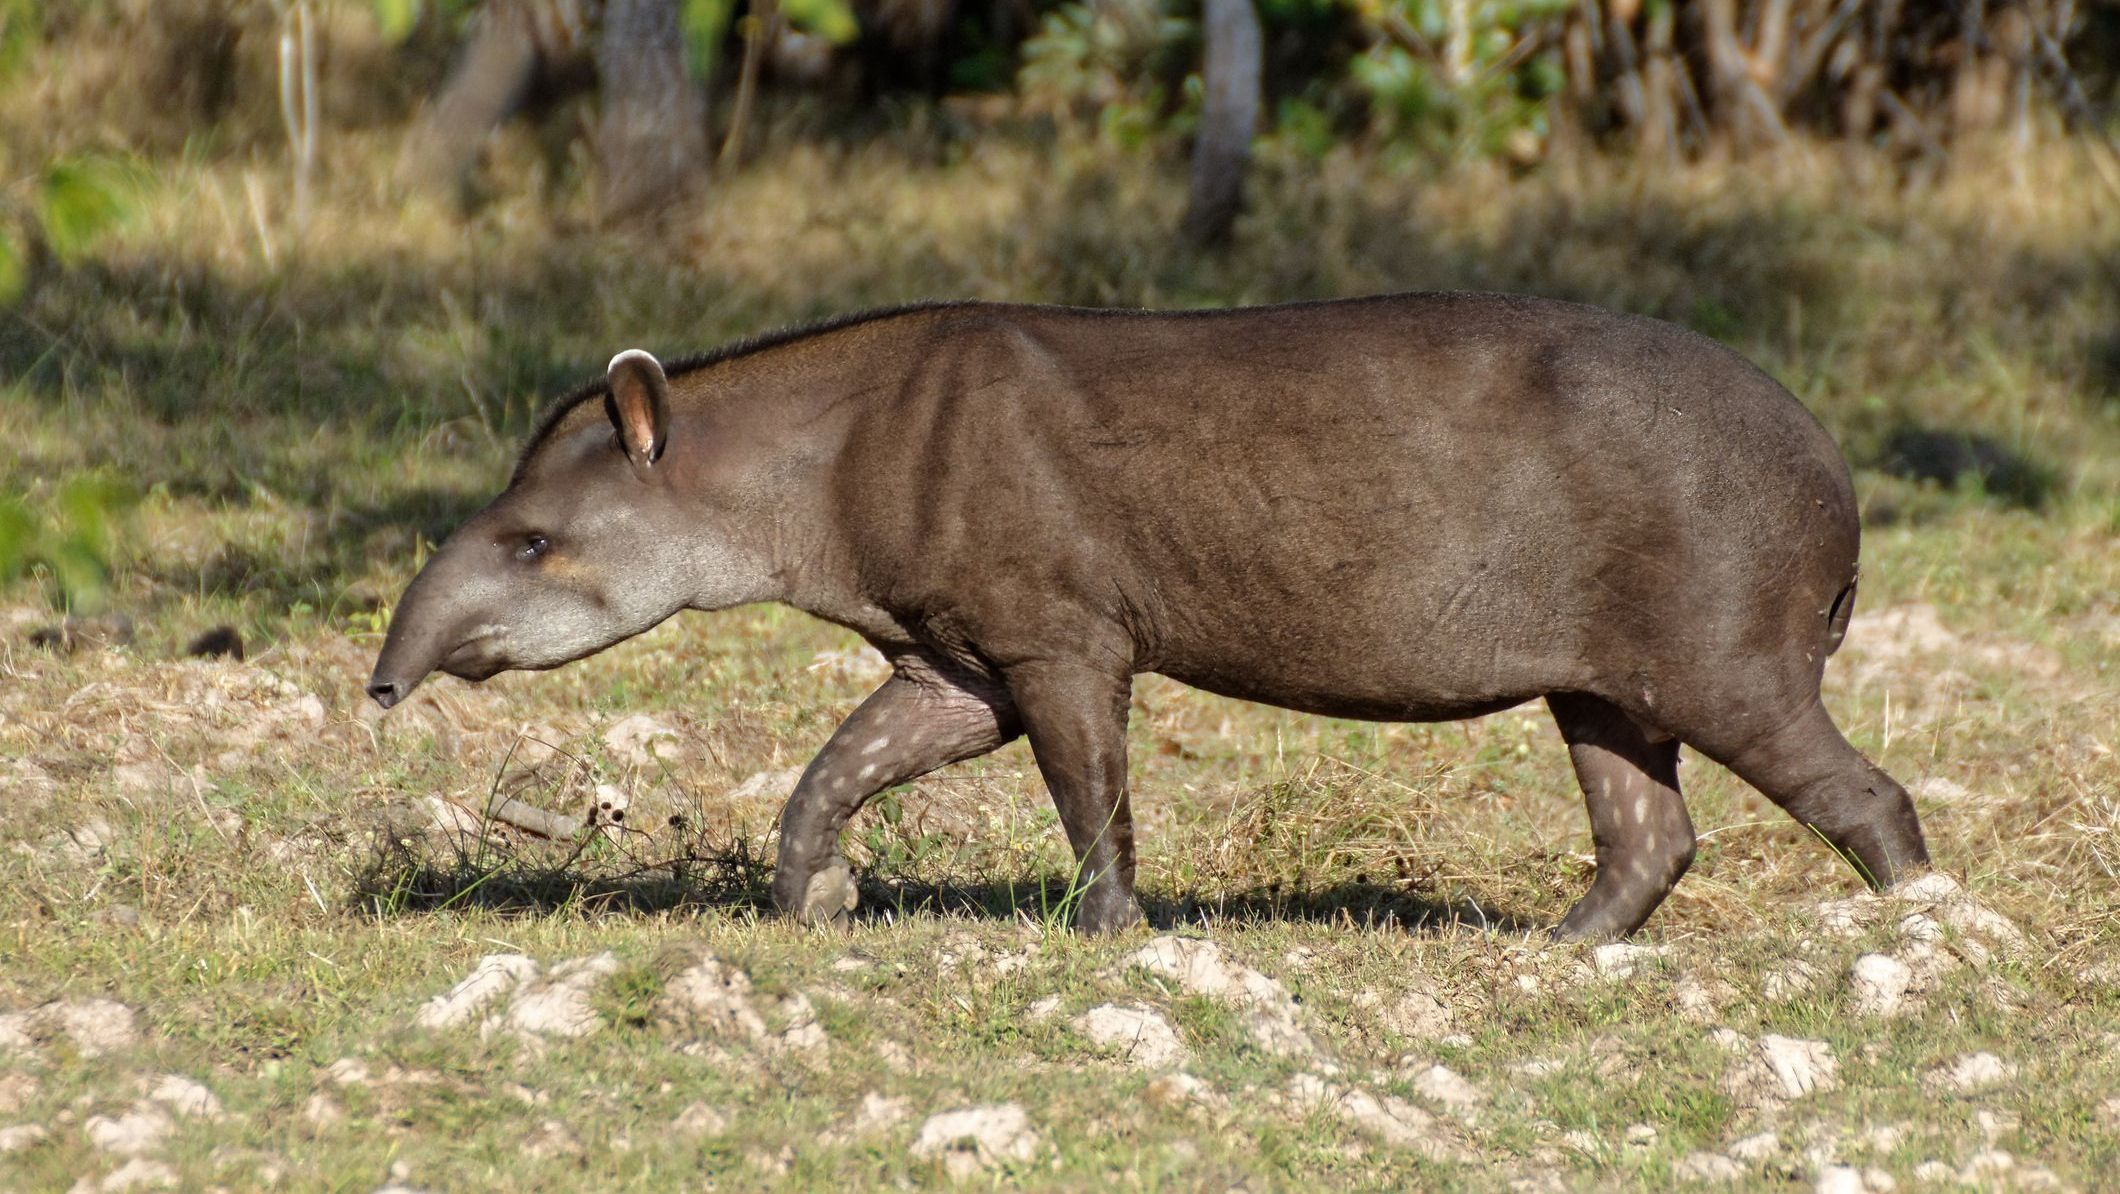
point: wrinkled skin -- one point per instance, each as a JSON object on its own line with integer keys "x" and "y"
{"x": 1416, "y": 508}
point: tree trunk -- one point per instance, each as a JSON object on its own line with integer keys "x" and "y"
{"x": 652, "y": 139}
{"x": 1228, "y": 117}
{"x": 499, "y": 62}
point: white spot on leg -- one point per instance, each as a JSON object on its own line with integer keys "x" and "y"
{"x": 868, "y": 771}
{"x": 839, "y": 783}
{"x": 873, "y": 747}
{"x": 1641, "y": 809}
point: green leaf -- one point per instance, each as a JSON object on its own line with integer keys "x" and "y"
{"x": 21, "y": 21}
{"x": 397, "y": 18}
{"x": 93, "y": 507}
{"x": 81, "y": 575}
{"x": 14, "y": 266}
{"x": 82, "y": 198}
{"x": 705, "y": 24}
{"x": 832, "y": 20}
{"x": 18, "y": 534}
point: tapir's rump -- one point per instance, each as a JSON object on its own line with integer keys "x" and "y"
{"x": 1413, "y": 507}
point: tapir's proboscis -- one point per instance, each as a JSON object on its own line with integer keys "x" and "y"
{"x": 1419, "y": 507}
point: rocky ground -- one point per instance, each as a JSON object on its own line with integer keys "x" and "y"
{"x": 267, "y": 939}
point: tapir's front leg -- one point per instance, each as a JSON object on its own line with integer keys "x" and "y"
{"x": 1075, "y": 717}
{"x": 921, "y": 719}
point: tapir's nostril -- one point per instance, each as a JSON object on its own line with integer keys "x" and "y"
{"x": 385, "y": 692}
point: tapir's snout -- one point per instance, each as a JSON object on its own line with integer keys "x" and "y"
{"x": 435, "y": 628}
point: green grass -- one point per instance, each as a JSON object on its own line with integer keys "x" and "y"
{"x": 271, "y": 896}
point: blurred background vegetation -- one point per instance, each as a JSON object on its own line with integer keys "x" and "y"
{"x": 280, "y": 280}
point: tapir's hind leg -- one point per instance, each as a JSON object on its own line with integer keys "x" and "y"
{"x": 1809, "y": 769}
{"x": 1638, "y": 820}
{"x": 921, "y": 719}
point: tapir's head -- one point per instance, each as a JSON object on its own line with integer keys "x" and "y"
{"x": 610, "y": 525}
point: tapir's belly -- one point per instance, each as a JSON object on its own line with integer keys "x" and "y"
{"x": 1409, "y": 651}
{"x": 1405, "y": 702}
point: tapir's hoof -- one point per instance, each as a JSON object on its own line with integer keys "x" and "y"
{"x": 1114, "y": 916}
{"x": 830, "y": 895}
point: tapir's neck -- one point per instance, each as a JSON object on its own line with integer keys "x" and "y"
{"x": 783, "y": 420}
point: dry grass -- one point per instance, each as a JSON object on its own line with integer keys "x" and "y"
{"x": 243, "y": 854}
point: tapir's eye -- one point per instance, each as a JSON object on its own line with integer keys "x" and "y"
{"x": 532, "y": 547}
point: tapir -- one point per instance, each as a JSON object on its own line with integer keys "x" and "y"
{"x": 1416, "y": 507}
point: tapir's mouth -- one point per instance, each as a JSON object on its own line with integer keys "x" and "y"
{"x": 476, "y": 658}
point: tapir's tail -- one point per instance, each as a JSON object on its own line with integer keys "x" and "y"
{"x": 1838, "y": 616}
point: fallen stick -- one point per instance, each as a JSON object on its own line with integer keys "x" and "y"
{"x": 556, "y": 826}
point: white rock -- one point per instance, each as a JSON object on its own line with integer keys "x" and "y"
{"x": 1143, "y": 1037}
{"x": 700, "y": 1119}
{"x": 971, "y": 1139}
{"x": 1985, "y": 1167}
{"x": 95, "y": 1026}
{"x": 1729, "y": 1040}
{"x": 1879, "y": 984}
{"x": 17, "y": 1137}
{"x": 640, "y": 740}
{"x": 1840, "y": 1179}
{"x": 1971, "y": 1072}
{"x": 875, "y": 1115}
{"x": 1878, "y": 1181}
{"x": 321, "y": 1111}
{"x": 494, "y": 977}
{"x": 1390, "y": 1120}
{"x": 714, "y": 996}
{"x": 1789, "y": 980}
{"x": 1707, "y": 1168}
{"x": 559, "y": 1004}
{"x": 1418, "y": 1014}
{"x": 136, "y": 1174}
{"x": 16, "y": 1092}
{"x": 1042, "y": 1009}
{"x": 1932, "y": 888}
{"x": 188, "y": 1099}
{"x": 1756, "y": 1149}
{"x": 1948, "y": 899}
{"x": 1180, "y": 1089}
{"x": 803, "y": 1033}
{"x": 1935, "y": 1173}
{"x": 1198, "y": 966}
{"x": 1781, "y": 1068}
{"x": 767, "y": 783}
{"x": 18, "y": 1032}
{"x": 552, "y": 1138}
{"x": 858, "y": 665}
{"x": 138, "y": 1131}
{"x": 1847, "y": 918}
{"x": 1443, "y": 1085}
{"x": 1699, "y": 1002}
{"x": 1621, "y": 959}
{"x": 347, "y": 1071}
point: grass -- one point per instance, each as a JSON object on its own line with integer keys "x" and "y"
{"x": 303, "y": 413}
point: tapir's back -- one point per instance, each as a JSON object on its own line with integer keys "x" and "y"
{"x": 1410, "y": 506}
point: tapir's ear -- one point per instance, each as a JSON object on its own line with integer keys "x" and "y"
{"x": 639, "y": 405}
